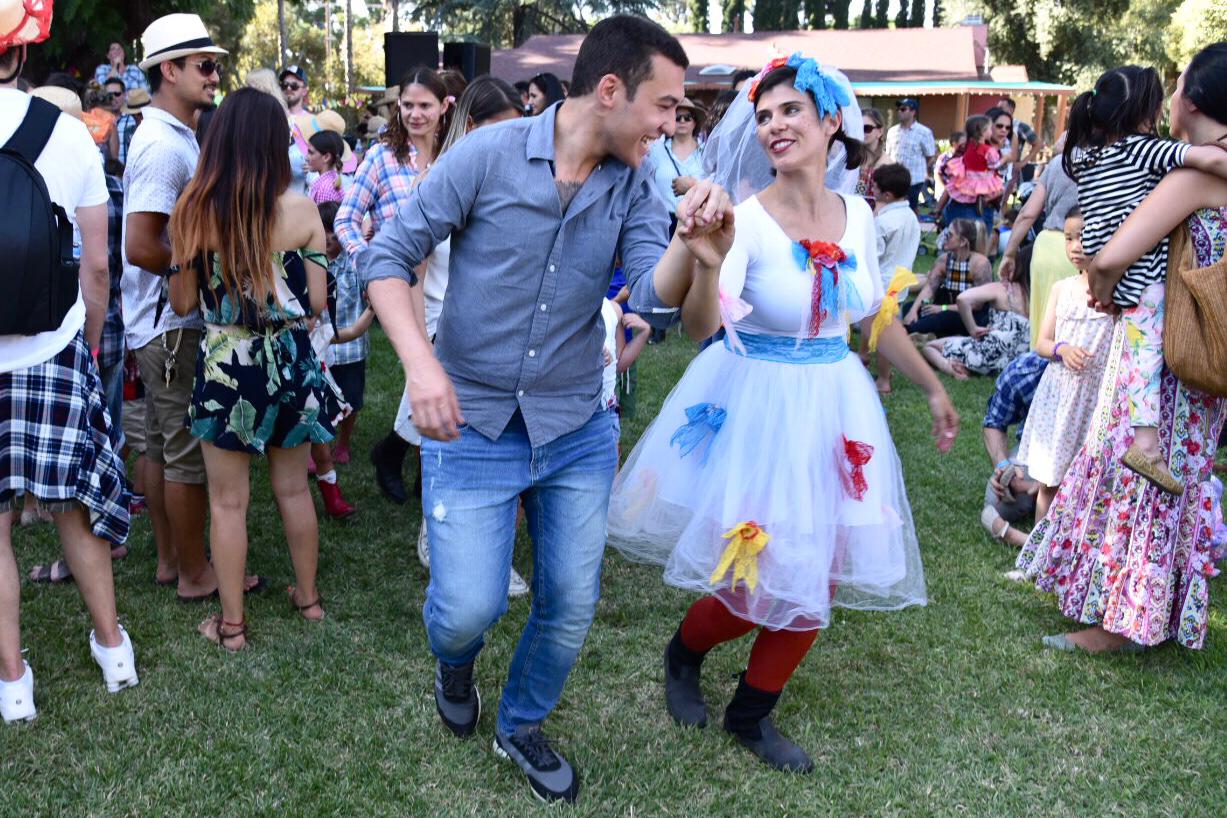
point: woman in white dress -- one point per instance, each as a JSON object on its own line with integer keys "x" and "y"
{"x": 769, "y": 481}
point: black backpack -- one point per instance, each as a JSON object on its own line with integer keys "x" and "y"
{"x": 38, "y": 274}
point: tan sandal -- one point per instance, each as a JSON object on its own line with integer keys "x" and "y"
{"x": 1153, "y": 469}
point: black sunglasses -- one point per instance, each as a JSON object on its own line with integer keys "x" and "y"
{"x": 685, "y": 118}
{"x": 209, "y": 67}
{"x": 870, "y": 128}
{"x": 291, "y": 86}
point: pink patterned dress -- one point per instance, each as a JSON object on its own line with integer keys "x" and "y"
{"x": 1115, "y": 549}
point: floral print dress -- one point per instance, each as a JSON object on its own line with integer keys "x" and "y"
{"x": 1115, "y": 549}
{"x": 258, "y": 381}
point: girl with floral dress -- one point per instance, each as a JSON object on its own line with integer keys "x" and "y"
{"x": 251, "y": 256}
{"x": 1122, "y": 557}
{"x": 1076, "y": 338}
{"x": 769, "y": 481}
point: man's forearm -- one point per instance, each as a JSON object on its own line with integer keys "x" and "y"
{"x": 997, "y": 444}
{"x": 393, "y": 302}
{"x": 95, "y": 290}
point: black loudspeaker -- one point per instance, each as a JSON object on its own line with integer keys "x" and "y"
{"x": 403, "y": 51}
{"x": 471, "y": 59}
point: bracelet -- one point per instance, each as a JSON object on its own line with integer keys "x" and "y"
{"x": 1056, "y": 353}
{"x": 945, "y": 307}
{"x": 1003, "y": 464}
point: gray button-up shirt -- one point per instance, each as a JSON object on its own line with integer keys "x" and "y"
{"x": 521, "y": 324}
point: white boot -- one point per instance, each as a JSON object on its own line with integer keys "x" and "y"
{"x": 118, "y": 663}
{"x": 17, "y": 698}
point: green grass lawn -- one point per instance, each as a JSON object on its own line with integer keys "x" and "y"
{"x": 951, "y": 709}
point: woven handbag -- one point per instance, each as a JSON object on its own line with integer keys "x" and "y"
{"x": 1195, "y": 322}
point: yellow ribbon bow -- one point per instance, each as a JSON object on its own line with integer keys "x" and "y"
{"x": 742, "y": 554}
{"x": 904, "y": 279}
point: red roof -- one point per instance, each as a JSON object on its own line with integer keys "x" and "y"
{"x": 865, "y": 55}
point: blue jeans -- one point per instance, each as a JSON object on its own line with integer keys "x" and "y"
{"x": 471, "y": 490}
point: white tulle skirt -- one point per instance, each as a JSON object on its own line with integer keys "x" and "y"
{"x": 803, "y": 450}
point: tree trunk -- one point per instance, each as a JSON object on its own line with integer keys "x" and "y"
{"x": 349, "y": 46}
{"x": 734, "y": 15}
{"x": 816, "y": 13}
{"x": 839, "y": 12}
{"x": 396, "y": 15}
{"x": 283, "y": 38}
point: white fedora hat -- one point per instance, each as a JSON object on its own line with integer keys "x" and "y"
{"x": 175, "y": 36}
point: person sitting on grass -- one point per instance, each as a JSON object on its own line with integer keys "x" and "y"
{"x": 1010, "y": 495}
{"x": 961, "y": 266}
{"x": 987, "y": 349}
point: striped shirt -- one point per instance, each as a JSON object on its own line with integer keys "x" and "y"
{"x": 1112, "y": 181}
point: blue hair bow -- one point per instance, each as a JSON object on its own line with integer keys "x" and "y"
{"x": 828, "y": 94}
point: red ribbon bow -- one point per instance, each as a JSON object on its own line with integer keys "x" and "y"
{"x": 857, "y": 455}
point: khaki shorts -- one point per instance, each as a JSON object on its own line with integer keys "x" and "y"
{"x": 167, "y": 440}
{"x": 134, "y": 425}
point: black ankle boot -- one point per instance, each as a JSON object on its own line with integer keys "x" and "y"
{"x": 748, "y": 719}
{"x": 683, "y": 698}
{"x": 388, "y": 457}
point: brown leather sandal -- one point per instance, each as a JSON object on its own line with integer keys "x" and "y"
{"x": 302, "y": 609}
{"x": 218, "y": 623}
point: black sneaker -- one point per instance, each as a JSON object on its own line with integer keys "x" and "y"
{"x": 388, "y": 465}
{"x": 549, "y": 775}
{"x": 456, "y": 698}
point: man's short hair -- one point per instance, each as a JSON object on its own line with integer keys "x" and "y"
{"x": 155, "y": 73}
{"x": 116, "y": 81}
{"x": 623, "y": 45}
{"x": 741, "y": 75}
{"x": 894, "y": 179}
{"x": 1008, "y": 101}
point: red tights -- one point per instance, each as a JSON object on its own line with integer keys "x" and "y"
{"x": 774, "y": 657}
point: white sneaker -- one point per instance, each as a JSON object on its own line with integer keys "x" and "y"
{"x": 423, "y": 547}
{"x": 516, "y": 586}
{"x": 1016, "y": 576}
{"x": 118, "y": 663}
{"x": 17, "y": 698}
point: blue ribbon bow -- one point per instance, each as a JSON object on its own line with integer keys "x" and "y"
{"x": 704, "y": 421}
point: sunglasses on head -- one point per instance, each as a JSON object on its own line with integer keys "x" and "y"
{"x": 685, "y": 118}
{"x": 208, "y": 67}
{"x": 291, "y": 86}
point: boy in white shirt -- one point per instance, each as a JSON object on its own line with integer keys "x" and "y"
{"x": 898, "y": 236}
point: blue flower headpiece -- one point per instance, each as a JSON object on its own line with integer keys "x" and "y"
{"x": 829, "y": 96}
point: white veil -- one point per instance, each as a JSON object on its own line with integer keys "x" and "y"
{"x": 733, "y": 158}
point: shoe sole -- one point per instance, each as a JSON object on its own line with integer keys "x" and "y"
{"x": 21, "y": 719}
{"x": 503, "y": 754}
{"x": 115, "y": 687}
{"x": 476, "y": 720}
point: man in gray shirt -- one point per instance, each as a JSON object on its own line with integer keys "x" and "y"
{"x": 538, "y": 211}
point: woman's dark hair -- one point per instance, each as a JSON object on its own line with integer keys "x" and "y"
{"x": 719, "y": 107}
{"x": 230, "y": 205}
{"x": 396, "y": 135}
{"x": 550, "y": 88}
{"x": 787, "y": 74}
{"x": 1205, "y": 81}
{"x": 992, "y": 114}
{"x": 1022, "y": 268}
{"x": 1125, "y": 100}
{"x": 623, "y": 45}
{"x": 203, "y": 120}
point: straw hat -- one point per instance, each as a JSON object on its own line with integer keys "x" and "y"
{"x": 311, "y": 124}
{"x": 375, "y": 124}
{"x": 24, "y": 22}
{"x": 390, "y": 95}
{"x": 137, "y": 98}
{"x": 62, "y": 98}
{"x": 175, "y": 36}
